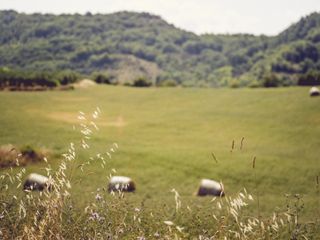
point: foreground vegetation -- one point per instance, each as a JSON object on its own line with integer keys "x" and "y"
{"x": 167, "y": 139}
{"x": 125, "y": 46}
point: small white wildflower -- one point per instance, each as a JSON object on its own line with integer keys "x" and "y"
{"x": 275, "y": 227}
{"x": 94, "y": 125}
{"x": 98, "y": 197}
{"x": 66, "y": 194}
{"x": 95, "y": 115}
{"x": 84, "y": 144}
{"x": 94, "y": 216}
{"x": 68, "y": 184}
{"x": 262, "y": 225}
{"x": 281, "y": 221}
{"x": 22, "y": 210}
{"x": 86, "y": 209}
{"x": 169, "y": 223}
{"x": 234, "y": 213}
{"x": 288, "y": 217}
{"x": 250, "y": 197}
{"x": 180, "y": 229}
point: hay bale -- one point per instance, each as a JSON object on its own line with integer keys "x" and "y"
{"x": 122, "y": 184}
{"x": 85, "y": 83}
{"x": 314, "y": 91}
{"x": 37, "y": 182}
{"x": 210, "y": 187}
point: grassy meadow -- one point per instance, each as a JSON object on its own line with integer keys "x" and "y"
{"x": 166, "y": 138}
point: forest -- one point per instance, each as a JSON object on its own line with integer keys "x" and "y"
{"x": 128, "y": 47}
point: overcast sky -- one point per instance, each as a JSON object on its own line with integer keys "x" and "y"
{"x": 199, "y": 16}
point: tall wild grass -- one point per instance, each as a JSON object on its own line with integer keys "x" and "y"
{"x": 54, "y": 214}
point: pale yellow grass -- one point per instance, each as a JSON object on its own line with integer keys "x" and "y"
{"x": 71, "y": 118}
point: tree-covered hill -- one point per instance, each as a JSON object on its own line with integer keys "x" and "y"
{"x": 127, "y": 45}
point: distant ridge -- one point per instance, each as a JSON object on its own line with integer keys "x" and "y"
{"x": 128, "y": 45}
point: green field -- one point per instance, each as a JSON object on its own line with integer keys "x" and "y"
{"x": 166, "y": 137}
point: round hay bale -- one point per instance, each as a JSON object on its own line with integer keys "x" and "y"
{"x": 210, "y": 187}
{"x": 37, "y": 182}
{"x": 122, "y": 184}
{"x": 314, "y": 91}
{"x": 85, "y": 83}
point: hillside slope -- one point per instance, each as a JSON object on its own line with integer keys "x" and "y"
{"x": 160, "y": 52}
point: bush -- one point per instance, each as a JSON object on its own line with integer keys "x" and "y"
{"x": 168, "y": 83}
{"x": 234, "y": 83}
{"x": 271, "y": 80}
{"x": 311, "y": 78}
{"x": 102, "y": 78}
{"x": 67, "y": 77}
{"x": 141, "y": 82}
{"x": 254, "y": 84}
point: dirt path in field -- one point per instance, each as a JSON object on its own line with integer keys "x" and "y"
{"x": 73, "y": 119}
{"x": 70, "y": 99}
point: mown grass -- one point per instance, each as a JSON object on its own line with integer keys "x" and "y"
{"x": 166, "y": 137}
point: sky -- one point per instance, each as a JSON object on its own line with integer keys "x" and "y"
{"x": 267, "y": 17}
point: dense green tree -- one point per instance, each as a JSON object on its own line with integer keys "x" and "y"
{"x": 271, "y": 80}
